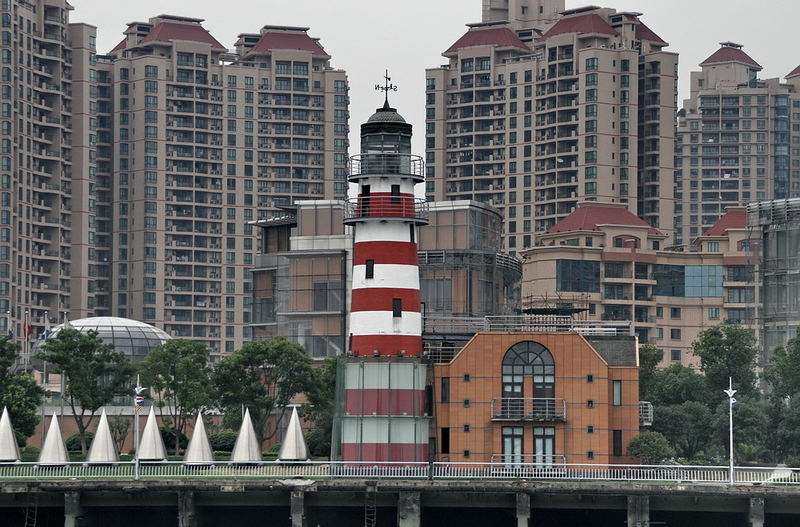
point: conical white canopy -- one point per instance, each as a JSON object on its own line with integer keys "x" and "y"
{"x": 294, "y": 444}
{"x": 103, "y": 449}
{"x": 9, "y": 451}
{"x": 246, "y": 449}
{"x": 54, "y": 451}
{"x": 199, "y": 450}
{"x": 151, "y": 446}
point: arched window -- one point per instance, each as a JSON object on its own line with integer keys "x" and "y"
{"x": 529, "y": 359}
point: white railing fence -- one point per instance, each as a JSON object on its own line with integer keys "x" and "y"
{"x": 498, "y": 469}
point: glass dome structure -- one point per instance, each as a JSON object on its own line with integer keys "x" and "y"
{"x": 133, "y": 338}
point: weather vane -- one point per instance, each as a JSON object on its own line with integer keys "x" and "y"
{"x": 387, "y": 87}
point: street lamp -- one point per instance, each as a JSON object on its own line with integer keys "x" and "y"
{"x": 730, "y": 392}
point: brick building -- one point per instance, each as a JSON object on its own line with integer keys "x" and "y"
{"x": 552, "y": 397}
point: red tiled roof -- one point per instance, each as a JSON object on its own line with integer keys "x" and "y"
{"x": 588, "y": 23}
{"x": 645, "y": 33}
{"x": 166, "y": 31}
{"x": 729, "y": 54}
{"x": 588, "y": 217}
{"x": 280, "y": 40}
{"x": 497, "y": 36}
{"x": 794, "y": 72}
{"x": 733, "y": 219}
{"x": 119, "y": 46}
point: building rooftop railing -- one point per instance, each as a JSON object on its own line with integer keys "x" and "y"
{"x": 548, "y": 468}
{"x": 772, "y": 212}
{"x": 527, "y": 324}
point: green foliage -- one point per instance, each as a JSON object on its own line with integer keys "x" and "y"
{"x": 751, "y": 425}
{"x": 649, "y": 358}
{"x": 677, "y": 384}
{"x": 73, "y": 442}
{"x": 784, "y": 374}
{"x": 94, "y": 372}
{"x": 171, "y": 437}
{"x": 262, "y": 376}
{"x": 651, "y": 448}
{"x": 321, "y": 396}
{"x": 686, "y": 427}
{"x": 223, "y": 440}
{"x": 727, "y": 351}
{"x": 18, "y": 392}
{"x": 179, "y": 373}
{"x": 119, "y": 425}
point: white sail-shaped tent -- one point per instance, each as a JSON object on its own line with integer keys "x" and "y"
{"x": 9, "y": 450}
{"x": 246, "y": 449}
{"x": 103, "y": 450}
{"x": 199, "y": 450}
{"x": 151, "y": 446}
{"x": 54, "y": 450}
{"x": 293, "y": 447}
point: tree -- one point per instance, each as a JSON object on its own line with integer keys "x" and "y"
{"x": 263, "y": 376}
{"x": 18, "y": 391}
{"x": 750, "y": 424}
{"x": 784, "y": 374}
{"x": 650, "y": 447}
{"x": 94, "y": 373}
{"x": 677, "y": 384}
{"x": 728, "y": 351}
{"x": 649, "y": 358}
{"x": 321, "y": 396}
{"x": 686, "y": 427}
{"x": 178, "y": 372}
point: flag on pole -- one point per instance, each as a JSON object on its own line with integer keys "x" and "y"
{"x": 733, "y": 402}
{"x": 138, "y": 401}
{"x": 28, "y": 330}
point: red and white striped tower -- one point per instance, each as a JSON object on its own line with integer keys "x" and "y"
{"x": 384, "y": 399}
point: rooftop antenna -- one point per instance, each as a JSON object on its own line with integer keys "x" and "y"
{"x": 386, "y": 88}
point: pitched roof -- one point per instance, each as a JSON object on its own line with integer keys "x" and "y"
{"x": 282, "y": 40}
{"x": 795, "y": 72}
{"x": 167, "y": 31}
{"x": 588, "y": 23}
{"x": 488, "y": 36}
{"x": 119, "y": 46}
{"x": 645, "y": 33}
{"x": 587, "y": 217}
{"x": 730, "y": 54}
{"x": 734, "y": 218}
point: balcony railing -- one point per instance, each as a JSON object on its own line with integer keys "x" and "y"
{"x": 387, "y": 163}
{"x": 645, "y": 413}
{"x": 539, "y": 409}
{"x": 357, "y": 209}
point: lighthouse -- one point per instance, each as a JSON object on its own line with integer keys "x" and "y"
{"x": 384, "y": 417}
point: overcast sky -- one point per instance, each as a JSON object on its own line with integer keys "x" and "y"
{"x": 407, "y": 36}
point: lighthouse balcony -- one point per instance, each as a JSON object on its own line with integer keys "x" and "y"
{"x": 386, "y": 208}
{"x": 379, "y": 164}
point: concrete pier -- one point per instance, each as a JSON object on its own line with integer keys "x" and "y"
{"x": 409, "y": 512}
{"x": 638, "y": 511}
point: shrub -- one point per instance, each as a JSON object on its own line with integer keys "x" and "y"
{"x": 650, "y": 447}
{"x": 168, "y": 435}
{"x": 74, "y": 441}
{"x": 30, "y": 449}
{"x": 223, "y": 440}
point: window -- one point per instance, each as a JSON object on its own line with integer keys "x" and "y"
{"x": 445, "y": 396}
{"x": 397, "y": 307}
{"x": 527, "y": 359}
{"x": 370, "y": 269}
{"x": 590, "y": 378}
{"x": 675, "y": 312}
{"x": 675, "y": 355}
{"x": 466, "y": 377}
{"x": 445, "y": 439}
{"x": 467, "y": 403}
{"x": 675, "y": 334}
{"x": 591, "y": 63}
{"x": 590, "y": 429}
{"x": 616, "y": 393}
{"x": 617, "y": 443}
{"x": 713, "y": 313}
{"x": 466, "y": 428}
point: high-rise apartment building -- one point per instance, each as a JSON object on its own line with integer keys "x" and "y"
{"x": 128, "y": 179}
{"x": 37, "y": 167}
{"x": 736, "y": 140}
{"x": 205, "y": 140}
{"x": 537, "y": 114}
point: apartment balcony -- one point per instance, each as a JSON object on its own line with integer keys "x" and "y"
{"x": 529, "y": 409}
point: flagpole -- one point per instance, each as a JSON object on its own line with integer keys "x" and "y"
{"x": 730, "y": 392}
{"x": 25, "y": 351}
{"x": 136, "y": 406}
